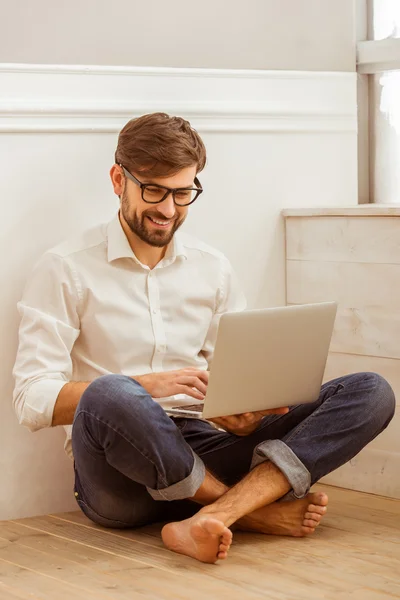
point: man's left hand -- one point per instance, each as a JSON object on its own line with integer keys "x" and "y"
{"x": 246, "y": 423}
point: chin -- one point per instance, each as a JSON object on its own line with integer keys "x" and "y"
{"x": 159, "y": 242}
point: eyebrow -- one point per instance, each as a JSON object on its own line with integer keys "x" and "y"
{"x": 181, "y": 187}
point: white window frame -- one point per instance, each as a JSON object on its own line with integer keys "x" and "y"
{"x": 373, "y": 57}
{"x": 377, "y": 56}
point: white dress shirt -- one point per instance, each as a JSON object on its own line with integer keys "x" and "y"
{"x": 91, "y": 308}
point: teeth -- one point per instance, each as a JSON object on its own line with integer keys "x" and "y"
{"x": 160, "y": 222}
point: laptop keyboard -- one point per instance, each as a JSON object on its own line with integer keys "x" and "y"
{"x": 194, "y": 407}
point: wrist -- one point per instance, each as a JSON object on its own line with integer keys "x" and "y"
{"x": 139, "y": 379}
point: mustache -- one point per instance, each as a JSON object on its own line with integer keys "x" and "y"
{"x": 158, "y": 216}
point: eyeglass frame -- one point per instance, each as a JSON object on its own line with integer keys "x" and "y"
{"x": 169, "y": 191}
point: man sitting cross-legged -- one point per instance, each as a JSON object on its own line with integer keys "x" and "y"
{"x": 120, "y": 320}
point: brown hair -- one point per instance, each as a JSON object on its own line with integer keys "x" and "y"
{"x": 159, "y": 145}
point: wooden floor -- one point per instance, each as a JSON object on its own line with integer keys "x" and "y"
{"x": 355, "y": 554}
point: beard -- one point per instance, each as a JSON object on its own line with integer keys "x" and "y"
{"x": 144, "y": 231}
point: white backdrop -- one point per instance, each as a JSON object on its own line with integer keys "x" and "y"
{"x": 274, "y": 140}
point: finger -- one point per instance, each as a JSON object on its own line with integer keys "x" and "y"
{"x": 193, "y": 382}
{"x": 258, "y": 418}
{"x": 192, "y": 379}
{"x": 250, "y": 417}
{"x": 226, "y": 422}
{"x": 189, "y": 391}
{"x": 203, "y": 375}
{"x": 200, "y": 373}
{"x": 283, "y": 410}
{"x": 216, "y": 420}
{"x": 235, "y": 422}
{"x": 245, "y": 419}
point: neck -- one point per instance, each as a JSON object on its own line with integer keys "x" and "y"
{"x": 146, "y": 254}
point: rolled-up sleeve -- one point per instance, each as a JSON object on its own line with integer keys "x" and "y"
{"x": 48, "y": 330}
{"x": 230, "y": 298}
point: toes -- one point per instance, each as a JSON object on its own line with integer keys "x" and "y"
{"x": 225, "y": 543}
{"x": 307, "y": 530}
{"x": 224, "y": 547}
{"x": 226, "y": 537}
{"x": 318, "y": 499}
{"x": 322, "y": 499}
{"x": 310, "y": 523}
{"x": 222, "y": 555}
{"x": 313, "y": 516}
{"x": 314, "y": 508}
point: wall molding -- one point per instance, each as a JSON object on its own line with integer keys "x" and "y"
{"x": 168, "y": 71}
{"x": 100, "y": 99}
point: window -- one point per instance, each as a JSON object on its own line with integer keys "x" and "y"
{"x": 379, "y": 104}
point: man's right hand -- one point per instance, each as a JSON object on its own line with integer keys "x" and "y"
{"x": 190, "y": 381}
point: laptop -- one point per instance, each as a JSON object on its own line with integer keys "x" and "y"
{"x": 264, "y": 359}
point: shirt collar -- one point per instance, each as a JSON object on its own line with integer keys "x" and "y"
{"x": 119, "y": 247}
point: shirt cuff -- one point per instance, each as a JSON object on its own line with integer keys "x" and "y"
{"x": 40, "y": 399}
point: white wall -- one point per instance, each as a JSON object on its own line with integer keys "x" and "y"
{"x": 274, "y": 140}
{"x": 255, "y": 34}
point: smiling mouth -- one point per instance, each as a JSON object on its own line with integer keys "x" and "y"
{"x": 159, "y": 223}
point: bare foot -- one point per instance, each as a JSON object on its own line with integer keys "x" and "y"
{"x": 203, "y": 537}
{"x": 297, "y": 518}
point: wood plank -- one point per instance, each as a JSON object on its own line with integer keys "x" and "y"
{"x": 345, "y": 545}
{"x": 372, "y": 331}
{"x": 372, "y": 470}
{"x": 367, "y": 503}
{"x": 149, "y": 534}
{"x": 25, "y": 580}
{"x": 344, "y": 239}
{"x": 363, "y": 593}
{"x": 238, "y": 569}
{"x": 340, "y": 363}
{"x": 353, "y": 285}
{"x": 316, "y": 560}
{"x": 368, "y": 319}
{"x": 125, "y": 543}
{"x": 360, "y": 539}
{"x": 12, "y": 593}
{"x": 332, "y": 549}
{"x": 244, "y": 555}
{"x": 58, "y": 569}
{"x": 364, "y": 210}
{"x": 375, "y": 469}
{"x": 115, "y": 578}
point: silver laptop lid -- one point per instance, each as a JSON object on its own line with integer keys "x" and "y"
{"x": 269, "y": 358}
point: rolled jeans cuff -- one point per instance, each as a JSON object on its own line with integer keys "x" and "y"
{"x": 288, "y": 463}
{"x": 185, "y": 488}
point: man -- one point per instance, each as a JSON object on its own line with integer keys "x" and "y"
{"x": 120, "y": 320}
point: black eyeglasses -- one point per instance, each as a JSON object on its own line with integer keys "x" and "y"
{"x": 154, "y": 194}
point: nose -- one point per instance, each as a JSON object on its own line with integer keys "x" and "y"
{"x": 167, "y": 207}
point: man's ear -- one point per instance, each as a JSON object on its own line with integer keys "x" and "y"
{"x": 117, "y": 179}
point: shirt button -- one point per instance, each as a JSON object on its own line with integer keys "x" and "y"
{"x": 155, "y": 311}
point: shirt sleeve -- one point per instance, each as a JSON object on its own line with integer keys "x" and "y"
{"x": 230, "y": 298}
{"x": 48, "y": 330}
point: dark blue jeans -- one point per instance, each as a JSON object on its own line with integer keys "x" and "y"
{"x": 135, "y": 465}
